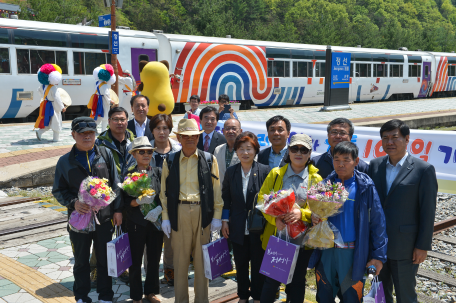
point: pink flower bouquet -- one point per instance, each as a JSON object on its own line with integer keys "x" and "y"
{"x": 96, "y": 193}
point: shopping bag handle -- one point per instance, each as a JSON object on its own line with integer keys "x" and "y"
{"x": 287, "y": 238}
{"x": 118, "y": 230}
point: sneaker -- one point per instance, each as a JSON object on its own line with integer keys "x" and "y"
{"x": 38, "y": 136}
{"x": 93, "y": 278}
{"x": 125, "y": 277}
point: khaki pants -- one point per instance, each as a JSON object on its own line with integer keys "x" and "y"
{"x": 188, "y": 240}
{"x": 168, "y": 252}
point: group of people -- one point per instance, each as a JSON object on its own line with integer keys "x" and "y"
{"x": 207, "y": 182}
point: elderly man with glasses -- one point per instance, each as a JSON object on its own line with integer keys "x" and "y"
{"x": 192, "y": 207}
{"x": 339, "y": 130}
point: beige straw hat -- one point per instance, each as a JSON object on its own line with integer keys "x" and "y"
{"x": 141, "y": 143}
{"x": 188, "y": 127}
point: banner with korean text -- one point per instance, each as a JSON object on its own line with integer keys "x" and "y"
{"x": 435, "y": 147}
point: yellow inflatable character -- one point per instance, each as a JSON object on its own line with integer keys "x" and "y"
{"x": 155, "y": 85}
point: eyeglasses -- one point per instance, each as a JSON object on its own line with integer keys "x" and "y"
{"x": 142, "y": 152}
{"x": 116, "y": 120}
{"x": 295, "y": 149}
{"x": 85, "y": 124}
{"x": 334, "y": 133}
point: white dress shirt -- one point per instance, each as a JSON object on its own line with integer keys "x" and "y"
{"x": 392, "y": 171}
{"x": 140, "y": 129}
{"x": 245, "y": 183}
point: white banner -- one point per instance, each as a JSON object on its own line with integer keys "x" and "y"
{"x": 435, "y": 147}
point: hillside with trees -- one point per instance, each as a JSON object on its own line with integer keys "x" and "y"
{"x": 416, "y": 24}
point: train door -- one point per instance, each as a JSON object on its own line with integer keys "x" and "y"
{"x": 140, "y": 54}
{"x": 426, "y": 83}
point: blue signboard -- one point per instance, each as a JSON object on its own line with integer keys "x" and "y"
{"x": 340, "y": 70}
{"x": 104, "y": 20}
{"x": 115, "y": 43}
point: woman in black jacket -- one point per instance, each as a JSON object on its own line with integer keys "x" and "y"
{"x": 241, "y": 184}
{"x": 142, "y": 232}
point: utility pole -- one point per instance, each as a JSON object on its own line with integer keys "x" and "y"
{"x": 115, "y": 87}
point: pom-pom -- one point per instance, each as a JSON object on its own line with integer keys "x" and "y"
{"x": 55, "y": 77}
{"x": 104, "y": 75}
{"x": 95, "y": 72}
{"x": 47, "y": 69}
{"x": 57, "y": 68}
{"x": 112, "y": 80}
{"x": 109, "y": 68}
{"x": 43, "y": 78}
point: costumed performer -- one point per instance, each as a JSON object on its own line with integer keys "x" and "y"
{"x": 128, "y": 91}
{"x": 101, "y": 102}
{"x": 51, "y": 106}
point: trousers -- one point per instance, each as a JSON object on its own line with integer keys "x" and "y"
{"x": 401, "y": 274}
{"x": 250, "y": 252}
{"x": 139, "y": 237}
{"x": 296, "y": 289}
{"x": 168, "y": 252}
{"x": 81, "y": 243}
{"x": 188, "y": 241}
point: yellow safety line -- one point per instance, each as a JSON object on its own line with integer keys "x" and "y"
{"x": 35, "y": 283}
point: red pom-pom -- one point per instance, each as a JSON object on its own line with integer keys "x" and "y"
{"x": 109, "y": 68}
{"x": 47, "y": 69}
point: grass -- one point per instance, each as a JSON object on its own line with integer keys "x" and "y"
{"x": 35, "y": 194}
{"x": 449, "y": 128}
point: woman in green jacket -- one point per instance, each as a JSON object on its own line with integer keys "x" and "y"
{"x": 299, "y": 173}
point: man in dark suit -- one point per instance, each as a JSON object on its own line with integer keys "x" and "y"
{"x": 339, "y": 130}
{"x": 140, "y": 124}
{"x": 407, "y": 187}
{"x": 278, "y": 128}
{"x": 210, "y": 139}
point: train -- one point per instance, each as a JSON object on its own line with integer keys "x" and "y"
{"x": 259, "y": 73}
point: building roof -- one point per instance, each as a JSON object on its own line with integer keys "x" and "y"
{"x": 9, "y": 7}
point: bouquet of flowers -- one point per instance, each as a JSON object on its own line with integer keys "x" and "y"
{"x": 96, "y": 193}
{"x": 280, "y": 203}
{"x": 138, "y": 185}
{"x": 325, "y": 200}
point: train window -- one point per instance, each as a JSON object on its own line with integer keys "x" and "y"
{"x": 380, "y": 70}
{"x": 320, "y": 69}
{"x": 451, "y": 60}
{"x": 78, "y": 63}
{"x": 396, "y": 70}
{"x": 93, "y": 60}
{"x": 396, "y": 58}
{"x": 61, "y": 60}
{"x": 23, "y": 61}
{"x": 300, "y": 69}
{"x": 302, "y": 54}
{"x": 363, "y": 70}
{"x": 414, "y": 70}
{"x": 39, "y": 58}
{"x": 320, "y": 55}
{"x": 4, "y": 61}
{"x": 108, "y": 58}
{"x": 426, "y": 71}
{"x": 4, "y": 36}
{"x": 143, "y": 58}
{"x": 379, "y": 58}
{"x": 39, "y": 38}
{"x": 278, "y": 53}
{"x": 362, "y": 57}
{"x": 451, "y": 70}
{"x": 352, "y": 67}
{"x": 415, "y": 59}
{"x": 278, "y": 68}
{"x": 89, "y": 41}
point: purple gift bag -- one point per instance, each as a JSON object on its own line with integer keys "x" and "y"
{"x": 119, "y": 254}
{"x": 279, "y": 260}
{"x": 217, "y": 259}
{"x": 376, "y": 294}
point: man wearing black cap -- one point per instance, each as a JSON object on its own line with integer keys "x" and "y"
{"x": 85, "y": 159}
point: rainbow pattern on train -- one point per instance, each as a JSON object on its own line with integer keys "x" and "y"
{"x": 214, "y": 69}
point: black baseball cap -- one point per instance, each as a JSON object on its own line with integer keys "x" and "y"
{"x": 83, "y": 124}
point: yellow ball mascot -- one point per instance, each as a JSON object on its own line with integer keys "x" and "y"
{"x": 155, "y": 85}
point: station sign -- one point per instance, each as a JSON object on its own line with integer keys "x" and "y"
{"x": 340, "y": 70}
{"x": 114, "y": 43}
{"x": 104, "y": 20}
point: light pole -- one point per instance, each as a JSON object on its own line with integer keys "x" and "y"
{"x": 115, "y": 86}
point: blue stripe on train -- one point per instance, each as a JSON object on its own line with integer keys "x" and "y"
{"x": 14, "y": 106}
{"x": 387, "y": 91}
{"x": 286, "y": 97}
{"x": 358, "y": 94}
{"x": 295, "y": 93}
{"x": 301, "y": 94}
{"x": 280, "y": 96}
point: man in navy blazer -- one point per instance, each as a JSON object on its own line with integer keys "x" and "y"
{"x": 278, "y": 128}
{"x": 140, "y": 124}
{"x": 339, "y": 130}
{"x": 210, "y": 138}
{"x": 407, "y": 187}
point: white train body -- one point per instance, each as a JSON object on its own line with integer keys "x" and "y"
{"x": 259, "y": 72}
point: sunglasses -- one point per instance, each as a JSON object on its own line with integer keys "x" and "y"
{"x": 85, "y": 124}
{"x": 142, "y": 152}
{"x": 295, "y": 149}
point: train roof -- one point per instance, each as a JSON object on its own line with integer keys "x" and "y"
{"x": 70, "y": 28}
{"x": 443, "y": 54}
{"x": 203, "y": 39}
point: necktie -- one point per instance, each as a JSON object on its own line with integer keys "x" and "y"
{"x": 206, "y": 143}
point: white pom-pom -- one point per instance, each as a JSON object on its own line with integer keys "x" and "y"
{"x": 112, "y": 80}
{"x": 95, "y": 73}
{"x": 55, "y": 77}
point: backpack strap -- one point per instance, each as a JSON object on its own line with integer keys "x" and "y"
{"x": 208, "y": 157}
{"x": 169, "y": 160}
{"x": 103, "y": 153}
